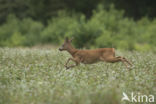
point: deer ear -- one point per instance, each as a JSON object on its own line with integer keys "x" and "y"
{"x": 66, "y": 39}
{"x": 71, "y": 39}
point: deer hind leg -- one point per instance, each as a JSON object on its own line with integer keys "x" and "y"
{"x": 115, "y": 59}
{"x": 125, "y": 60}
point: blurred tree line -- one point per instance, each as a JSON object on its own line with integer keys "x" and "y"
{"x": 123, "y": 24}
{"x": 45, "y": 9}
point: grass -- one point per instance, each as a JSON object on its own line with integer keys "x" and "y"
{"x": 37, "y": 76}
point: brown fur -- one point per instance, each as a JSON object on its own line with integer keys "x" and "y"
{"x": 91, "y": 56}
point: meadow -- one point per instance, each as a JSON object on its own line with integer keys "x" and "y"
{"x": 38, "y": 76}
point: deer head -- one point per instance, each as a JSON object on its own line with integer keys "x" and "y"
{"x": 66, "y": 45}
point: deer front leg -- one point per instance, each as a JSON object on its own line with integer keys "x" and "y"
{"x": 67, "y": 62}
{"x": 76, "y": 60}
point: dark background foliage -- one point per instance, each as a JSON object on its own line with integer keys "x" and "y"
{"x": 45, "y": 9}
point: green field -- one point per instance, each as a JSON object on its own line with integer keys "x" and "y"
{"x": 38, "y": 76}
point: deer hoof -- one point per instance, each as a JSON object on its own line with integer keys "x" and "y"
{"x": 67, "y": 68}
{"x": 129, "y": 68}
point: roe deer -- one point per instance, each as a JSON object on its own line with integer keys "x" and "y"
{"x": 91, "y": 56}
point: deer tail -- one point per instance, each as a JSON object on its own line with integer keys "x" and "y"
{"x": 113, "y": 50}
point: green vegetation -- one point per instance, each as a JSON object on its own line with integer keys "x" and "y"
{"x": 35, "y": 76}
{"x": 125, "y": 25}
{"x": 104, "y": 29}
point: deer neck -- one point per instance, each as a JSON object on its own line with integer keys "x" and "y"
{"x": 72, "y": 50}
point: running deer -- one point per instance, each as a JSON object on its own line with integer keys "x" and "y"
{"x": 91, "y": 56}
